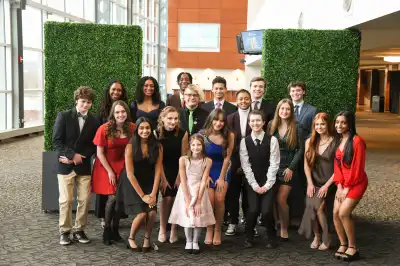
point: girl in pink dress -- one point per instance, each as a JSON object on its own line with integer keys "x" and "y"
{"x": 192, "y": 207}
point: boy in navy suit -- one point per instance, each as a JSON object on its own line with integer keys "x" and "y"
{"x": 73, "y": 135}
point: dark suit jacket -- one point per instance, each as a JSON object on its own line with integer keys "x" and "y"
{"x": 227, "y": 107}
{"x": 68, "y": 140}
{"x": 199, "y": 116}
{"x": 175, "y": 101}
{"x": 305, "y": 119}
{"x": 233, "y": 121}
{"x": 268, "y": 109}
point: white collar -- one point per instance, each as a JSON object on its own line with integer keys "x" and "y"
{"x": 244, "y": 111}
{"x": 260, "y": 136}
{"x": 77, "y": 111}
{"x": 299, "y": 104}
{"x": 216, "y": 101}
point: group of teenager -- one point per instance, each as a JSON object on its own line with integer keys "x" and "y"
{"x": 206, "y": 158}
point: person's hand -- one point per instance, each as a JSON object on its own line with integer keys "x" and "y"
{"x": 209, "y": 181}
{"x": 287, "y": 175}
{"x": 146, "y": 199}
{"x": 65, "y": 160}
{"x": 220, "y": 185}
{"x": 177, "y": 182}
{"x": 344, "y": 193}
{"x": 112, "y": 179}
{"x": 78, "y": 158}
{"x": 323, "y": 191}
{"x": 164, "y": 185}
{"x": 153, "y": 200}
{"x": 197, "y": 209}
{"x": 187, "y": 208}
{"x": 264, "y": 190}
{"x": 310, "y": 190}
{"x": 259, "y": 190}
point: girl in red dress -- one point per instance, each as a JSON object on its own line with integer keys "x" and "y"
{"x": 351, "y": 181}
{"x": 111, "y": 140}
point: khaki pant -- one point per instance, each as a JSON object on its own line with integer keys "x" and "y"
{"x": 66, "y": 185}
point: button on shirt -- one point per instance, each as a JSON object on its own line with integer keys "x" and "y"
{"x": 243, "y": 116}
{"x": 274, "y": 160}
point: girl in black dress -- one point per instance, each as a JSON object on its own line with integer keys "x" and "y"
{"x": 138, "y": 187}
{"x": 114, "y": 91}
{"x": 174, "y": 141}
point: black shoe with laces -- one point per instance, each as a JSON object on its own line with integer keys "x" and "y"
{"x": 64, "y": 239}
{"x": 81, "y": 237}
{"x": 107, "y": 236}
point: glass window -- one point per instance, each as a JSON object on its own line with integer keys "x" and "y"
{"x": 122, "y": 2}
{"x": 56, "y": 4}
{"x": 52, "y": 17}
{"x": 3, "y": 73}
{"x": 199, "y": 37}
{"x": 2, "y": 26}
{"x": 119, "y": 15}
{"x": 32, "y": 27}
{"x": 74, "y": 7}
{"x": 33, "y": 88}
{"x": 89, "y": 9}
{"x": 3, "y": 111}
{"x": 7, "y": 22}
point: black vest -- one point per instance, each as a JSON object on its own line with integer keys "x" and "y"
{"x": 259, "y": 158}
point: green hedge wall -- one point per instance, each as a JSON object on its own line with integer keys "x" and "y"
{"x": 326, "y": 60}
{"x": 90, "y": 55}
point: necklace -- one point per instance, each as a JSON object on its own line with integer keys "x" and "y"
{"x": 322, "y": 144}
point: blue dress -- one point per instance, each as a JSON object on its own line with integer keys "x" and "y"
{"x": 215, "y": 153}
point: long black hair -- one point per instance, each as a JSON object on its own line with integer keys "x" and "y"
{"x": 153, "y": 144}
{"x": 208, "y": 127}
{"x": 106, "y": 102}
{"x": 348, "y": 148}
{"x": 139, "y": 95}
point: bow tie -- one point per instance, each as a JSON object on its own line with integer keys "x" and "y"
{"x": 83, "y": 116}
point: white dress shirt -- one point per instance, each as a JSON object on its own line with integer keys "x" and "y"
{"x": 216, "y": 103}
{"x": 243, "y": 115}
{"x": 274, "y": 161}
{"x": 81, "y": 120}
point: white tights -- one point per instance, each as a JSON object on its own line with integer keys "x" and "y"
{"x": 192, "y": 237}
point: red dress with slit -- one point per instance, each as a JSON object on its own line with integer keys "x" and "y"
{"x": 352, "y": 176}
{"x": 114, "y": 151}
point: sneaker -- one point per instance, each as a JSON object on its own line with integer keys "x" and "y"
{"x": 243, "y": 221}
{"x": 64, "y": 239}
{"x": 231, "y": 231}
{"x": 256, "y": 234}
{"x": 81, "y": 237}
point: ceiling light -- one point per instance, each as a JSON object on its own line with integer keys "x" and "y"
{"x": 392, "y": 59}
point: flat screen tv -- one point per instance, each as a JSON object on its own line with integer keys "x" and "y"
{"x": 252, "y": 41}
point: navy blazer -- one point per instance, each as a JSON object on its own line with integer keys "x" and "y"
{"x": 227, "y": 107}
{"x": 305, "y": 119}
{"x": 68, "y": 140}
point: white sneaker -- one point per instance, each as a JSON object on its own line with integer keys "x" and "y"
{"x": 231, "y": 231}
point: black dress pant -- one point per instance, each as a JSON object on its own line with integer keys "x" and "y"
{"x": 232, "y": 198}
{"x": 264, "y": 204}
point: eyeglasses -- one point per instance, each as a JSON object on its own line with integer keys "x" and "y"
{"x": 191, "y": 95}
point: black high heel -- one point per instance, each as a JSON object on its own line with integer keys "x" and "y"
{"x": 338, "y": 254}
{"x": 107, "y": 236}
{"x": 128, "y": 246}
{"x": 146, "y": 249}
{"x": 348, "y": 257}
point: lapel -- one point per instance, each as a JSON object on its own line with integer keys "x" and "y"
{"x": 303, "y": 110}
{"x": 236, "y": 124}
{"x": 184, "y": 117}
{"x": 74, "y": 117}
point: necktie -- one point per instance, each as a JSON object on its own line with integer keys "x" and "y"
{"x": 258, "y": 144}
{"x": 296, "y": 111}
{"x": 256, "y": 105}
{"x": 83, "y": 116}
{"x": 218, "y": 106}
{"x": 182, "y": 103}
{"x": 191, "y": 121}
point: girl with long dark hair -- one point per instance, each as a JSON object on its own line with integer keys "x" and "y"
{"x": 351, "y": 181}
{"x": 138, "y": 187}
{"x": 318, "y": 167}
{"x": 219, "y": 143}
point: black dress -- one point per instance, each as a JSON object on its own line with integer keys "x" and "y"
{"x": 172, "y": 149}
{"x": 127, "y": 198}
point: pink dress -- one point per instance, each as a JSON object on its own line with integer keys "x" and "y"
{"x": 194, "y": 173}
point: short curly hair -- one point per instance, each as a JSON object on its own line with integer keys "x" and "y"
{"x": 84, "y": 92}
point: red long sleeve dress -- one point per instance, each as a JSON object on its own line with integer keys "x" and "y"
{"x": 353, "y": 177}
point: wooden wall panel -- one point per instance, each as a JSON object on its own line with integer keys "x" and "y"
{"x": 232, "y": 17}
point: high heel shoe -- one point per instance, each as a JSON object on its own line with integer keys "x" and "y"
{"x": 348, "y": 257}
{"x": 107, "y": 236}
{"x": 339, "y": 254}
{"x": 316, "y": 243}
{"x": 128, "y": 246}
{"x": 146, "y": 249}
{"x": 162, "y": 238}
{"x": 216, "y": 241}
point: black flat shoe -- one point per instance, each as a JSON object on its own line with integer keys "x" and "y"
{"x": 339, "y": 255}
{"x": 248, "y": 244}
{"x": 284, "y": 239}
{"x": 195, "y": 251}
{"x": 128, "y": 246}
{"x": 146, "y": 249}
{"x": 348, "y": 257}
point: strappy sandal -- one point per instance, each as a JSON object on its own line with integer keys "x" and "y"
{"x": 128, "y": 245}
{"x": 316, "y": 243}
{"x": 349, "y": 257}
{"x": 338, "y": 254}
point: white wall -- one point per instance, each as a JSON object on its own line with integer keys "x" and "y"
{"x": 234, "y": 78}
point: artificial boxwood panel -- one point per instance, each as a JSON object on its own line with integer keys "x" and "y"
{"x": 326, "y": 60}
{"x": 87, "y": 55}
